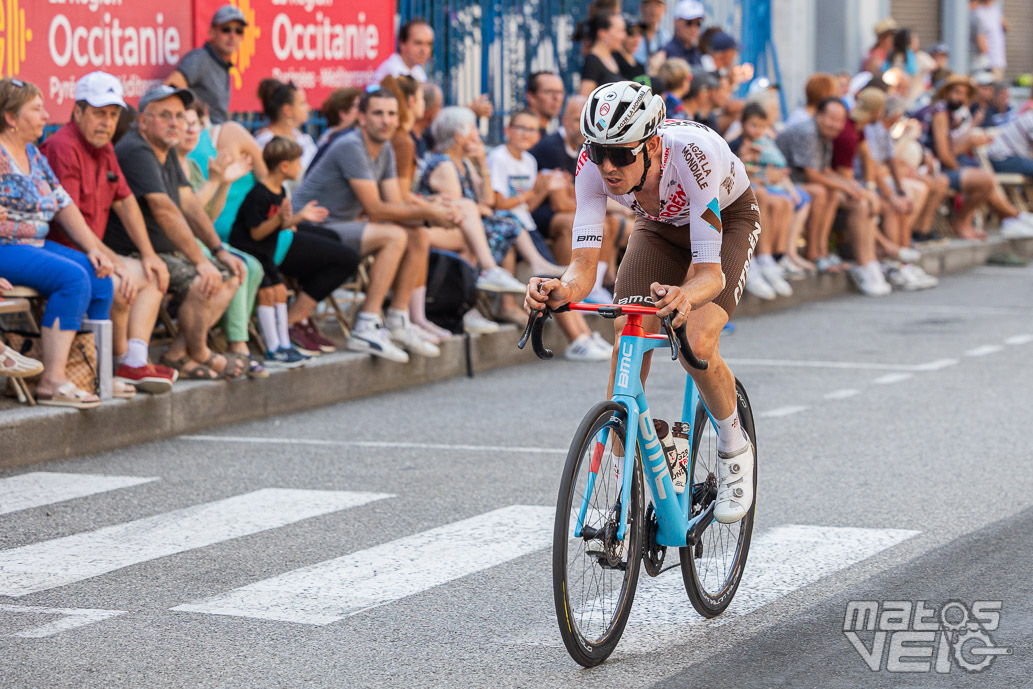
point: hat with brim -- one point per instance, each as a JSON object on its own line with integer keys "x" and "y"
{"x": 100, "y": 89}
{"x": 868, "y": 102}
{"x": 165, "y": 91}
{"x": 227, "y": 14}
{"x": 689, "y": 10}
{"x": 954, "y": 80}
{"x": 885, "y": 26}
{"x": 722, "y": 41}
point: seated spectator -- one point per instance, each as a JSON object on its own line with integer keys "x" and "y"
{"x": 75, "y": 283}
{"x": 223, "y": 172}
{"x": 545, "y": 98}
{"x": 81, "y": 155}
{"x": 206, "y": 70}
{"x": 175, "y": 220}
{"x": 341, "y": 110}
{"x": 901, "y": 55}
{"x": 819, "y": 87}
{"x": 777, "y": 183}
{"x": 630, "y": 68}
{"x": 885, "y": 33}
{"x": 676, "y": 76}
{"x": 698, "y": 102}
{"x": 410, "y": 109}
{"x": 688, "y": 18}
{"x": 287, "y": 110}
{"x": 357, "y": 181}
{"x": 1012, "y": 150}
{"x": 320, "y": 263}
{"x": 432, "y": 100}
{"x": 605, "y": 35}
{"x": 1000, "y": 111}
{"x": 979, "y": 104}
{"x": 13, "y": 364}
{"x": 722, "y": 53}
{"x": 650, "y": 50}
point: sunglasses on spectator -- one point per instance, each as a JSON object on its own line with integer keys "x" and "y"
{"x": 694, "y": 22}
{"x": 620, "y": 157}
{"x": 239, "y": 30}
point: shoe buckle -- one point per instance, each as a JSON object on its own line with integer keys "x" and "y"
{"x": 737, "y": 492}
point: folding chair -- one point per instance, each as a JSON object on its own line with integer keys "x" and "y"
{"x": 343, "y": 303}
{"x": 10, "y": 305}
{"x": 1009, "y": 185}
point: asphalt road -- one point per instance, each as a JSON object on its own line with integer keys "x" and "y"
{"x": 404, "y": 540}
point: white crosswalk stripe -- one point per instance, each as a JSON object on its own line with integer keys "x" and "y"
{"x": 61, "y": 561}
{"x": 68, "y": 618}
{"x": 39, "y": 488}
{"x": 332, "y": 590}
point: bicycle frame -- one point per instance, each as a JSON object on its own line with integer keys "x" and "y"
{"x": 672, "y": 509}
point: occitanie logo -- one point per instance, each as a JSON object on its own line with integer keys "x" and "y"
{"x": 13, "y": 37}
{"x": 246, "y": 51}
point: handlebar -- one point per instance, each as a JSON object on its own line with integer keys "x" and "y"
{"x": 678, "y": 340}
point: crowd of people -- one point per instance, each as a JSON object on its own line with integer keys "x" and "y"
{"x": 125, "y": 211}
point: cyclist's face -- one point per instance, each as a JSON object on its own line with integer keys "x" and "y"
{"x": 621, "y": 180}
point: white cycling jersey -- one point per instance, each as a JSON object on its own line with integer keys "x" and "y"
{"x": 700, "y": 176}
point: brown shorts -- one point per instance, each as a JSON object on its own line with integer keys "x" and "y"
{"x": 658, "y": 252}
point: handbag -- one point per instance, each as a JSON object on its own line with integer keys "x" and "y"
{"x": 82, "y": 358}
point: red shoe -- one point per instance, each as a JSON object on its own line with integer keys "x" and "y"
{"x": 326, "y": 346}
{"x": 144, "y": 378}
{"x": 302, "y": 341}
{"x": 170, "y": 373}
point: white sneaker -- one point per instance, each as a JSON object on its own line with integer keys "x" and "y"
{"x": 772, "y": 275}
{"x": 870, "y": 282}
{"x": 600, "y": 342}
{"x": 790, "y": 270}
{"x": 1026, "y": 217}
{"x": 735, "y": 485}
{"x": 922, "y": 278}
{"x": 499, "y": 280}
{"x": 1013, "y": 228}
{"x": 376, "y": 341}
{"x": 585, "y": 349}
{"x": 474, "y": 322}
{"x": 410, "y": 339}
{"x": 599, "y": 295}
{"x": 757, "y": 285}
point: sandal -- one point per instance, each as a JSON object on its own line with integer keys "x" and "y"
{"x": 231, "y": 358}
{"x": 18, "y": 365}
{"x": 256, "y": 369}
{"x": 122, "y": 391}
{"x": 199, "y": 372}
{"x": 68, "y": 395}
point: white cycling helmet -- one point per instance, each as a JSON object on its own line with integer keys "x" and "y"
{"x": 620, "y": 113}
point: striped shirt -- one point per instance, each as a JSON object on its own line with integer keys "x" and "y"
{"x": 1014, "y": 139}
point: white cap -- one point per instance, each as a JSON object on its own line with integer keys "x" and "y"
{"x": 100, "y": 89}
{"x": 689, "y": 10}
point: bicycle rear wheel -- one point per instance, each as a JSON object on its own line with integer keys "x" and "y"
{"x": 594, "y": 575}
{"x": 713, "y": 567}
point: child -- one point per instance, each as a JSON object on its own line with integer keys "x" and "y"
{"x": 676, "y": 76}
{"x": 777, "y": 183}
{"x": 264, "y": 214}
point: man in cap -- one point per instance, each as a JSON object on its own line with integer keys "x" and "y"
{"x": 206, "y": 70}
{"x": 688, "y": 18}
{"x": 179, "y": 230}
{"x": 82, "y": 157}
{"x": 885, "y": 30}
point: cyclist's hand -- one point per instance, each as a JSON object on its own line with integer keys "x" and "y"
{"x": 670, "y": 300}
{"x": 542, "y": 292}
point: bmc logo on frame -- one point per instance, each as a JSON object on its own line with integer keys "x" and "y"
{"x": 911, "y": 636}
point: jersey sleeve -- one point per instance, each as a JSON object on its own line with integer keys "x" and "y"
{"x": 590, "y": 214}
{"x": 702, "y": 183}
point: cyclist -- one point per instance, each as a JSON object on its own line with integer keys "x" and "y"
{"x": 696, "y": 227}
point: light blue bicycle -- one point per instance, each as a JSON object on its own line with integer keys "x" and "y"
{"x": 603, "y": 531}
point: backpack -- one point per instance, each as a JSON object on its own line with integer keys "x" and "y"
{"x": 451, "y": 289}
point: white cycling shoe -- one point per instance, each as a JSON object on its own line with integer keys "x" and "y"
{"x": 734, "y": 485}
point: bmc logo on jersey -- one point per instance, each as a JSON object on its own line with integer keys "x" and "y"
{"x": 676, "y": 203}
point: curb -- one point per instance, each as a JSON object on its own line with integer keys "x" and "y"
{"x": 29, "y": 435}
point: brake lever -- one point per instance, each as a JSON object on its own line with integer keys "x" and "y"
{"x": 675, "y": 345}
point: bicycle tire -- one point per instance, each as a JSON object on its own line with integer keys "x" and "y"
{"x": 711, "y": 590}
{"x": 590, "y": 644}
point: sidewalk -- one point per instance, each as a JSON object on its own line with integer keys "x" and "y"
{"x": 35, "y": 434}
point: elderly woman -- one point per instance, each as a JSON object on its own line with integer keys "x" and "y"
{"x": 75, "y": 283}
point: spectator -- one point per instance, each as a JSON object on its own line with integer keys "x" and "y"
{"x": 432, "y": 100}
{"x": 287, "y": 109}
{"x": 630, "y": 68}
{"x": 75, "y": 283}
{"x": 410, "y": 108}
{"x": 545, "y": 98}
{"x": 206, "y": 70}
{"x": 1012, "y": 150}
{"x": 722, "y": 53}
{"x": 223, "y": 172}
{"x": 989, "y": 27}
{"x": 777, "y": 183}
{"x": 999, "y": 111}
{"x": 941, "y": 55}
{"x": 13, "y": 364}
{"x": 358, "y": 177}
{"x": 175, "y": 220}
{"x": 81, "y": 155}
{"x": 885, "y": 31}
{"x": 819, "y": 87}
{"x": 698, "y": 103}
{"x": 605, "y": 34}
{"x": 341, "y": 110}
{"x": 650, "y": 51}
{"x": 901, "y": 55}
{"x": 979, "y": 105}
{"x": 688, "y": 18}
{"x": 320, "y": 263}
{"x": 676, "y": 76}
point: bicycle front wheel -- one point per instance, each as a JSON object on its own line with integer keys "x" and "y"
{"x": 713, "y": 567}
{"x": 594, "y": 574}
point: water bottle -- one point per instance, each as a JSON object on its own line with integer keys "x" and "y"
{"x": 676, "y": 462}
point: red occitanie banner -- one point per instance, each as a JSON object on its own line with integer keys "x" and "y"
{"x": 52, "y": 43}
{"x": 320, "y": 45}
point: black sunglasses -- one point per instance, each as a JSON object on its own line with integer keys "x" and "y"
{"x": 239, "y": 30}
{"x": 621, "y": 157}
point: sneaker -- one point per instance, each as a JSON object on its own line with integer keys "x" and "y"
{"x": 772, "y": 275}
{"x": 902, "y": 279}
{"x": 285, "y": 358}
{"x": 825, "y": 264}
{"x": 585, "y": 349}
{"x": 735, "y": 485}
{"x": 599, "y": 295}
{"x": 170, "y": 373}
{"x": 144, "y": 378}
{"x": 1026, "y": 217}
{"x": 475, "y": 323}
{"x": 922, "y": 278}
{"x": 1013, "y": 228}
{"x": 376, "y": 341}
{"x": 757, "y": 285}
{"x": 600, "y": 342}
{"x": 325, "y": 345}
{"x": 790, "y": 270}
{"x": 302, "y": 341}
{"x": 500, "y": 280}
{"x": 409, "y": 339}
{"x": 909, "y": 255}
{"x": 866, "y": 281}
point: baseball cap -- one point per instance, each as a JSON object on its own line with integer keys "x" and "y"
{"x": 227, "y": 14}
{"x": 100, "y": 89}
{"x": 689, "y": 10}
{"x": 722, "y": 41}
{"x": 983, "y": 77}
{"x": 936, "y": 48}
{"x": 868, "y": 101}
{"x": 165, "y": 91}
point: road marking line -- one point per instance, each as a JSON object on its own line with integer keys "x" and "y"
{"x": 1019, "y": 340}
{"x": 370, "y": 443}
{"x": 928, "y": 309}
{"x": 71, "y": 618}
{"x": 782, "y": 560}
{"x": 783, "y": 411}
{"x": 984, "y": 350}
{"x": 891, "y": 378}
{"x": 841, "y": 394}
{"x": 937, "y": 365}
{"x": 62, "y": 561}
{"x": 329, "y": 591}
{"x": 38, "y": 488}
{"x": 847, "y": 365}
